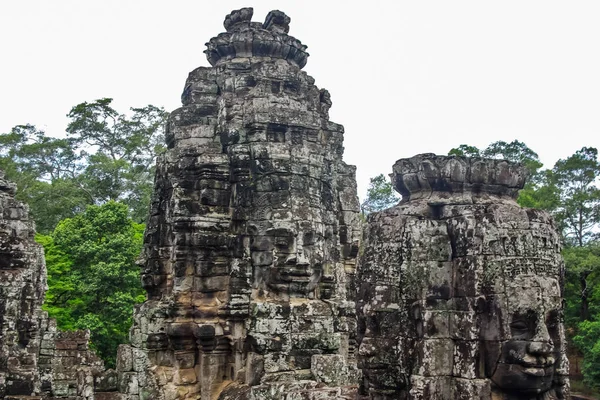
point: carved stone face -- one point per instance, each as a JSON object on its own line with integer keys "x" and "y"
{"x": 296, "y": 266}
{"x": 525, "y": 357}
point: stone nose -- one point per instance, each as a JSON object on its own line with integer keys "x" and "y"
{"x": 540, "y": 348}
{"x": 541, "y": 343}
{"x": 291, "y": 259}
{"x": 303, "y": 261}
{"x": 300, "y": 261}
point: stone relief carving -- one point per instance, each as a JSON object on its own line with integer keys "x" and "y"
{"x": 527, "y": 317}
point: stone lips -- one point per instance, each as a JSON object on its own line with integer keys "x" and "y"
{"x": 247, "y": 39}
{"x": 424, "y": 174}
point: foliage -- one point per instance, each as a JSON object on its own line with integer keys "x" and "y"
{"x": 588, "y": 341}
{"x": 45, "y": 170}
{"x": 380, "y": 195}
{"x": 92, "y": 276}
{"x": 514, "y": 151}
{"x": 583, "y": 282}
{"x": 579, "y": 210}
{"x": 517, "y": 152}
{"x": 465, "y": 150}
{"x": 105, "y": 156}
{"x": 122, "y": 166}
{"x": 542, "y": 194}
{"x": 83, "y": 190}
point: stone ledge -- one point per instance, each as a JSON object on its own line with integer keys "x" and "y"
{"x": 427, "y": 173}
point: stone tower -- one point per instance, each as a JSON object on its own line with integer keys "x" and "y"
{"x": 250, "y": 247}
{"x": 460, "y": 288}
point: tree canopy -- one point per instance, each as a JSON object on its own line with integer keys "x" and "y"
{"x": 104, "y": 156}
{"x": 93, "y": 281}
{"x": 380, "y": 195}
{"x": 579, "y": 209}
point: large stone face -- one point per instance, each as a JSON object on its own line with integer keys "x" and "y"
{"x": 460, "y": 288}
{"x": 250, "y": 247}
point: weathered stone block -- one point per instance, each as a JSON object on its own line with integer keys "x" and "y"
{"x": 330, "y": 369}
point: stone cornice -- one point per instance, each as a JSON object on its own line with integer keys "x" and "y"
{"x": 247, "y": 39}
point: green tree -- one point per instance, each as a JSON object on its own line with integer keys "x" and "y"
{"x": 542, "y": 194}
{"x": 465, "y": 150}
{"x": 123, "y": 148}
{"x": 583, "y": 279}
{"x": 538, "y": 191}
{"x": 107, "y": 156}
{"x": 515, "y": 151}
{"x": 92, "y": 276}
{"x": 45, "y": 170}
{"x": 578, "y": 213}
{"x": 380, "y": 195}
{"x": 587, "y": 340}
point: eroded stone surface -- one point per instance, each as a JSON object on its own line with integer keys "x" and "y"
{"x": 22, "y": 289}
{"x": 36, "y": 359}
{"x": 250, "y": 248}
{"x": 461, "y": 289}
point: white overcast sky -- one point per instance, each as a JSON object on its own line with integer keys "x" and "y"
{"x": 406, "y": 77}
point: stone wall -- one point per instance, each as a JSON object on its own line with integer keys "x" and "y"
{"x": 22, "y": 289}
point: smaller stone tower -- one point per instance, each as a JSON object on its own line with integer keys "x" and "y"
{"x": 460, "y": 288}
{"x": 22, "y": 290}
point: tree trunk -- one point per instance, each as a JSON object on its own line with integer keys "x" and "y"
{"x": 585, "y": 306}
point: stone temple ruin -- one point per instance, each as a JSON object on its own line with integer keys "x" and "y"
{"x": 255, "y": 287}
